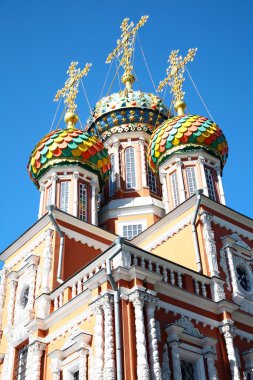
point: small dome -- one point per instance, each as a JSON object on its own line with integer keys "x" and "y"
{"x": 185, "y": 133}
{"x": 68, "y": 147}
{"x": 127, "y": 111}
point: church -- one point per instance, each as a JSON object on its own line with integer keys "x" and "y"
{"x": 135, "y": 269}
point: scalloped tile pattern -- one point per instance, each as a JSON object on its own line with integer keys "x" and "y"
{"x": 183, "y": 132}
{"x": 73, "y": 144}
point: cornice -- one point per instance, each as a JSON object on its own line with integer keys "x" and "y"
{"x": 84, "y": 239}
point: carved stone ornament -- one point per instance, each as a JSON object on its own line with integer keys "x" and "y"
{"x": 210, "y": 244}
{"x": 188, "y": 327}
{"x": 224, "y": 266}
{"x": 165, "y": 364}
{"x": 239, "y": 241}
{"x": 229, "y": 332}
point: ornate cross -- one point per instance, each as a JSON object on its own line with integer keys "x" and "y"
{"x": 125, "y": 47}
{"x": 70, "y": 90}
{"x": 175, "y": 73}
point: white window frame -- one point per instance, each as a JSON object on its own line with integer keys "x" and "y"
{"x": 196, "y": 359}
{"x": 131, "y": 223}
{"x": 191, "y": 179}
{"x": 112, "y": 182}
{"x": 49, "y": 195}
{"x": 130, "y": 169}
{"x": 70, "y": 369}
{"x": 152, "y": 181}
{"x": 210, "y": 184}
{"x": 64, "y": 196}
{"x": 79, "y": 201}
{"x": 175, "y": 189}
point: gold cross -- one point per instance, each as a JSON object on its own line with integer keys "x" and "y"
{"x": 175, "y": 73}
{"x": 70, "y": 90}
{"x": 125, "y": 47}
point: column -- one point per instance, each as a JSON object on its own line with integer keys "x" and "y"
{"x": 83, "y": 364}
{"x": 54, "y": 179}
{"x": 116, "y": 163}
{"x": 143, "y": 162}
{"x": 166, "y": 364}
{"x": 56, "y": 369}
{"x": 3, "y": 286}
{"x": 210, "y": 359}
{"x": 228, "y": 332}
{"x": 32, "y": 270}
{"x": 75, "y": 193}
{"x": 232, "y": 269}
{"x": 109, "y": 352}
{"x": 155, "y": 369}
{"x": 47, "y": 261}
{"x": 13, "y": 287}
{"x": 165, "y": 192}
{"x": 42, "y": 199}
{"x": 173, "y": 340}
{"x": 221, "y": 190}
{"x": 201, "y": 161}
{"x": 137, "y": 298}
{"x": 93, "y": 203}
{"x": 98, "y": 340}
{"x": 210, "y": 244}
{"x": 180, "y": 180}
{"x": 35, "y": 352}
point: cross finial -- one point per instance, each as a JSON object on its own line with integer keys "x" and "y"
{"x": 175, "y": 77}
{"x": 70, "y": 90}
{"x": 125, "y": 47}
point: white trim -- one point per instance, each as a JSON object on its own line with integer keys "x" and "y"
{"x": 197, "y": 361}
{"x": 232, "y": 227}
{"x": 142, "y": 222}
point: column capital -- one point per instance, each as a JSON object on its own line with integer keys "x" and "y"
{"x": 75, "y": 174}
{"x": 137, "y": 298}
{"x": 179, "y": 162}
{"x": 201, "y": 159}
{"x": 39, "y": 347}
{"x": 228, "y": 330}
{"x": 42, "y": 187}
{"x": 54, "y": 177}
{"x": 141, "y": 140}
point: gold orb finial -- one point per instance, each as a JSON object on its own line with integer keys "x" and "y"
{"x": 70, "y": 119}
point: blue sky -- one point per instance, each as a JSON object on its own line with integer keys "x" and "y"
{"x": 40, "y": 38}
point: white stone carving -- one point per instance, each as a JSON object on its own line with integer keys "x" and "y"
{"x": 228, "y": 331}
{"x": 13, "y": 286}
{"x": 239, "y": 241}
{"x": 47, "y": 261}
{"x": 166, "y": 364}
{"x": 138, "y": 298}
{"x": 155, "y": 369}
{"x": 210, "y": 244}
{"x": 8, "y": 364}
{"x": 83, "y": 364}
{"x": 223, "y": 264}
{"x": 109, "y": 354}
{"x": 35, "y": 352}
{"x": 3, "y": 285}
{"x": 56, "y": 368}
{"x": 217, "y": 290}
{"x": 212, "y": 372}
{"x": 98, "y": 340}
{"x": 188, "y": 327}
{"x": 177, "y": 373}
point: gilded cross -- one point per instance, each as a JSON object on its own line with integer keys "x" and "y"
{"x": 70, "y": 90}
{"x": 125, "y": 47}
{"x": 175, "y": 74}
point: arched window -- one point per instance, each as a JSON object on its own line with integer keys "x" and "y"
{"x": 130, "y": 168}
{"x": 112, "y": 183}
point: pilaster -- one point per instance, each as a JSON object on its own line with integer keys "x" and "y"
{"x": 210, "y": 244}
{"x": 228, "y": 332}
{"x": 143, "y": 162}
{"x": 180, "y": 180}
{"x": 54, "y": 179}
{"x": 83, "y": 364}
{"x": 75, "y": 193}
{"x": 165, "y": 192}
{"x": 42, "y": 200}
{"x": 109, "y": 354}
{"x": 201, "y": 161}
{"x": 116, "y": 163}
{"x": 98, "y": 339}
{"x": 94, "y": 210}
{"x": 221, "y": 190}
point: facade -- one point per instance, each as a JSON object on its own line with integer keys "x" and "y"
{"x": 136, "y": 268}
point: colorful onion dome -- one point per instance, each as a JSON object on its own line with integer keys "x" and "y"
{"x": 67, "y": 147}
{"x": 127, "y": 111}
{"x": 184, "y": 133}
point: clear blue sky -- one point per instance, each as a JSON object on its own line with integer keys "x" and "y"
{"x": 40, "y": 38}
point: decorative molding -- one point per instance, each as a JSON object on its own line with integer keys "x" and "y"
{"x": 239, "y": 241}
{"x": 232, "y": 227}
{"x": 188, "y": 327}
{"x": 109, "y": 354}
{"x": 210, "y": 243}
{"x": 84, "y": 239}
{"x": 224, "y": 266}
{"x": 228, "y": 330}
{"x": 155, "y": 369}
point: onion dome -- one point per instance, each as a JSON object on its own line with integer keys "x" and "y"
{"x": 67, "y": 147}
{"x": 127, "y": 111}
{"x": 186, "y": 133}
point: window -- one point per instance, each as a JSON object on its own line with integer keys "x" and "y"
{"x": 175, "y": 189}
{"x": 49, "y": 196}
{"x": 112, "y": 183}
{"x": 76, "y": 375}
{"x": 151, "y": 181}
{"x": 187, "y": 369}
{"x": 64, "y": 196}
{"x": 131, "y": 230}
{"x": 191, "y": 180}
{"x": 243, "y": 278}
{"x": 20, "y": 372}
{"x": 83, "y": 201}
{"x": 210, "y": 185}
{"x": 130, "y": 168}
